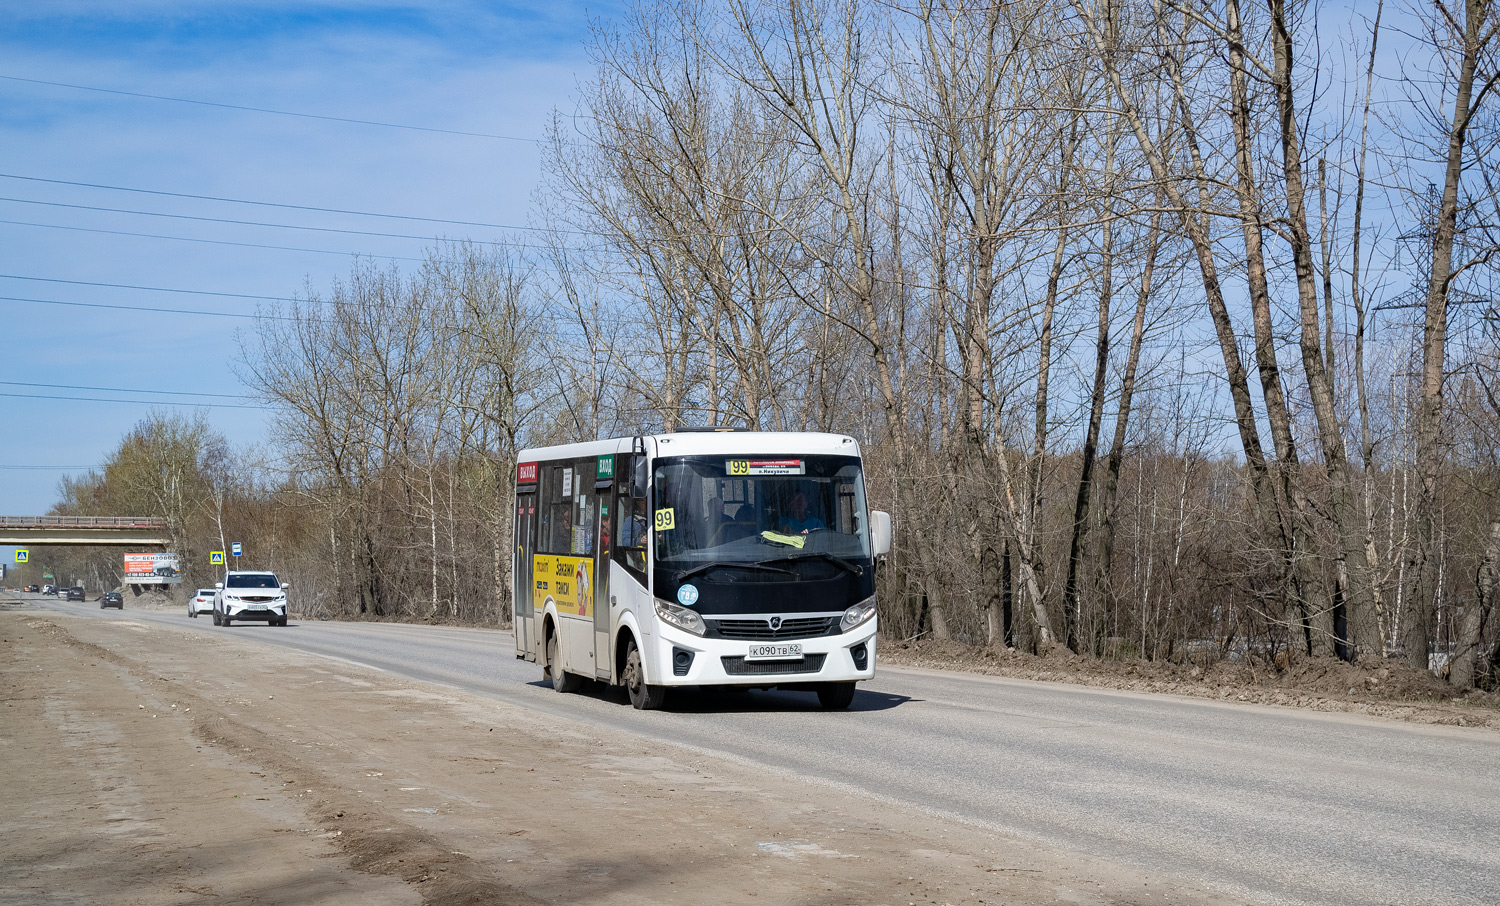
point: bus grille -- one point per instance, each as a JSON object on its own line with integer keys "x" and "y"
{"x": 761, "y": 631}
{"x": 738, "y": 666}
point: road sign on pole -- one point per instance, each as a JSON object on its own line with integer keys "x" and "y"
{"x": 215, "y": 558}
{"x": 235, "y": 549}
{"x": 23, "y": 556}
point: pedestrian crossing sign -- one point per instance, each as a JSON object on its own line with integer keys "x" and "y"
{"x": 23, "y": 556}
{"x": 215, "y": 558}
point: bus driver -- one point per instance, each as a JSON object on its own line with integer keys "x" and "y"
{"x": 799, "y": 521}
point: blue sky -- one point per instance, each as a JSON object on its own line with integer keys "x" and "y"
{"x": 474, "y": 67}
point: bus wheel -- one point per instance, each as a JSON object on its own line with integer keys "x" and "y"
{"x": 643, "y": 696}
{"x": 562, "y": 680}
{"x": 835, "y": 696}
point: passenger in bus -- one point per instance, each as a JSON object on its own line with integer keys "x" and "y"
{"x": 799, "y": 521}
{"x": 714, "y": 520}
{"x": 742, "y": 525}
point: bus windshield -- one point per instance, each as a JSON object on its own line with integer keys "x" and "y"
{"x": 758, "y": 509}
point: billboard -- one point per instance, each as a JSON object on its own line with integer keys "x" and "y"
{"x": 152, "y": 569}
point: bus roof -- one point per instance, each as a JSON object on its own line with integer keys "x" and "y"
{"x": 688, "y": 443}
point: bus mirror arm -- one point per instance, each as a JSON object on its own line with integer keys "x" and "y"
{"x": 880, "y": 532}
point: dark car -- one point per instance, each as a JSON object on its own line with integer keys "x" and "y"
{"x": 111, "y": 599}
{"x": 49, "y": 589}
{"x": 75, "y": 594}
{"x": 33, "y": 588}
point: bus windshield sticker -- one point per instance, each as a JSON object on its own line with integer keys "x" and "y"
{"x": 687, "y": 595}
{"x": 772, "y": 467}
{"x": 567, "y": 483}
{"x": 606, "y": 468}
{"x": 666, "y": 519}
{"x": 792, "y": 540}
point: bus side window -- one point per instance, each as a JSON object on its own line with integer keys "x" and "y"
{"x": 581, "y": 541}
{"x": 848, "y": 519}
{"x": 634, "y": 519}
{"x": 556, "y": 529}
{"x": 630, "y": 527}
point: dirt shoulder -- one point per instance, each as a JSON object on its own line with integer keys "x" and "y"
{"x": 1387, "y": 690}
{"x": 138, "y": 770}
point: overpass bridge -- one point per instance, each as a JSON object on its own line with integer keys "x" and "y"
{"x": 128, "y": 531}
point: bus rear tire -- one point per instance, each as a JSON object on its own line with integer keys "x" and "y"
{"x": 562, "y": 680}
{"x": 643, "y": 695}
{"x": 835, "y": 696}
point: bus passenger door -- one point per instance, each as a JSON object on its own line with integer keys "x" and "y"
{"x": 603, "y": 656}
{"x": 524, "y": 620}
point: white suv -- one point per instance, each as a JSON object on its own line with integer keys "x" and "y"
{"x": 202, "y": 602}
{"x": 250, "y": 595}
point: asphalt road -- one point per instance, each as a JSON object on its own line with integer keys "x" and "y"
{"x": 1274, "y": 805}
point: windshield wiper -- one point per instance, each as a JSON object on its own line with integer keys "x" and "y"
{"x": 818, "y": 555}
{"x": 753, "y": 567}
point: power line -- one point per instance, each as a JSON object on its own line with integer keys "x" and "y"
{"x": 94, "y": 399}
{"x": 263, "y": 204}
{"x": 228, "y": 396}
{"x": 153, "y": 289}
{"x": 49, "y": 468}
{"x": 248, "y": 245}
{"x": 278, "y": 226}
{"x": 169, "y": 311}
{"x": 308, "y": 116}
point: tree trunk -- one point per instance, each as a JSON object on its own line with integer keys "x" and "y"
{"x": 1435, "y": 340}
{"x": 1309, "y": 595}
{"x": 1350, "y": 555}
{"x": 1104, "y": 560}
{"x": 1072, "y": 608}
{"x": 1477, "y": 614}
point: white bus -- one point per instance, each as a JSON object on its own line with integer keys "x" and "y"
{"x": 699, "y": 558}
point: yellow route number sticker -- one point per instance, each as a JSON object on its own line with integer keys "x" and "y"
{"x": 739, "y": 467}
{"x": 666, "y": 519}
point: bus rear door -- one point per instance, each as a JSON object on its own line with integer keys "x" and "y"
{"x": 523, "y": 608}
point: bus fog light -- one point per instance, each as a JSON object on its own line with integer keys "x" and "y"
{"x": 681, "y": 617}
{"x": 858, "y": 615}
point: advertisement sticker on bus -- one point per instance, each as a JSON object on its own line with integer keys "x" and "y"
{"x": 569, "y": 584}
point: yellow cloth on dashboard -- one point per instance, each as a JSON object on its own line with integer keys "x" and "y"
{"x": 794, "y": 540}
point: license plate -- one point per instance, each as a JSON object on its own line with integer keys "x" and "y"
{"x": 257, "y": 607}
{"x": 774, "y": 652}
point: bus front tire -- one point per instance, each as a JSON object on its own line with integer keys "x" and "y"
{"x": 562, "y": 680}
{"x": 643, "y": 695}
{"x": 835, "y": 696}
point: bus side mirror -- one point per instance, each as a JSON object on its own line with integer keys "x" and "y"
{"x": 880, "y": 532}
{"x": 638, "y": 479}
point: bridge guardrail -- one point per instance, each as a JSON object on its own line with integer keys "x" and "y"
{"x": 102, "y": 522}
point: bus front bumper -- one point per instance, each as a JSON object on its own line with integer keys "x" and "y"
{"x": 680, "y": 658}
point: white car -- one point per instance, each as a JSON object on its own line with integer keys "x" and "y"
{"x": 250, "y": 595}
{"x": 202, "y": 602}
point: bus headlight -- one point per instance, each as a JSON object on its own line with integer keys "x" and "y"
{"x": 681, "y": 617}
{"x": 858, "y": 615}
